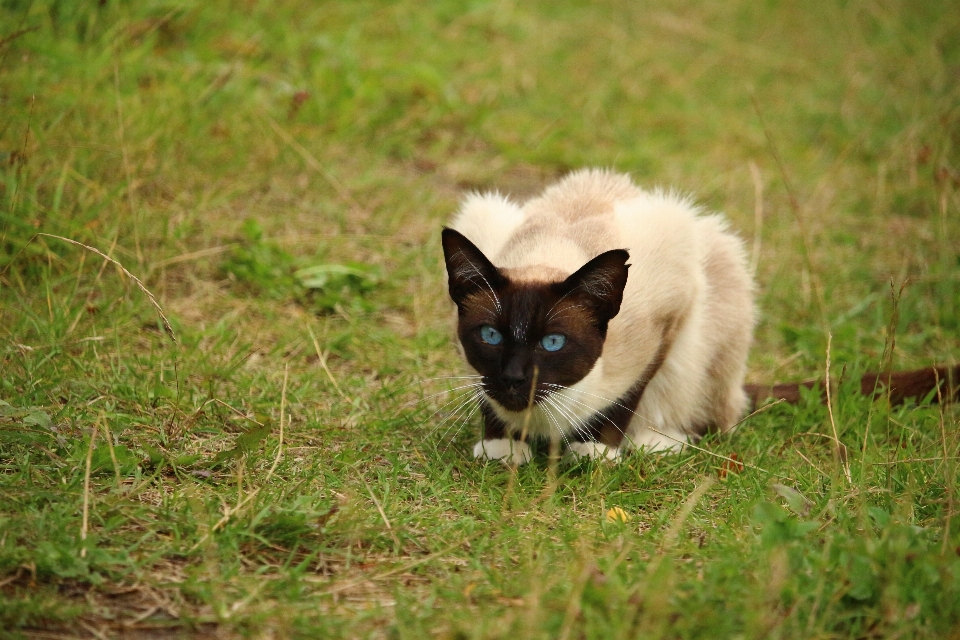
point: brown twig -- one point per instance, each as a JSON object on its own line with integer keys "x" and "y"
{"x": 283, "y": 406}
{"x": 93, "y": 288}
{"x": 886, "y": 362}
{"x": 323, "y": 363}
{"x": 382, "y": 512}
{"x": 839, "y": 449}
{"x": 136, "y": 280}
{"x": 16, "y": 34}
{"x": 113, "y": 455}
{"x": 758, "y": 411}
{"x": 948, "y": 481}
{"x": 673, "y": 532}
{"x": 193, "y": 255}
{"x": 23, "y": 148}
{"x": 895, "y": 462}
{"x": 809, "y": 462}
{"x": 86, "y": 491}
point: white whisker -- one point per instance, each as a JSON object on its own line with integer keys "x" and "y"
{"x": 613, "y": 403}
{"x": 562, "y": 298}
{"x": 454, "y": 415}
{"x": 462, "y": 423}
{"x": 563, "y": 411}
{"x": 556, "y": 423}
{"x": 420, "y": 381}
{"x": 459, "y": 398}
{"x": 495, "y": 298}
{"x": 440, "y": 393}
{"x": 561, "y": 315}
{"x": 594, "y": 412}
{"x": 683, "y": 443}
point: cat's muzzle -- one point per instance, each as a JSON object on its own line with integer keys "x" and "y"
{"x": 516, "y": 398}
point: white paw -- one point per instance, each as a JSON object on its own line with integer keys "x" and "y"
{"x": 653, "y": 442}
{"x": 593, "y": 450}
{"x": 506, "y": 450}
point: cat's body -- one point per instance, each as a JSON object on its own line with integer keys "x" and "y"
{"x": 651, "y": 357}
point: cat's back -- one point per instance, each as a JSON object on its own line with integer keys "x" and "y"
{"x": 584, "y": 214}
{"x": 571, "y": 222}
{"x": 588, "y": 196}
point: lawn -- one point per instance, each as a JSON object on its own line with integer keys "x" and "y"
{"x": 228, "y": 394}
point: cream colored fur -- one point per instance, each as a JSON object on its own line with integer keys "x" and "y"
{"x": 688, "y": 281}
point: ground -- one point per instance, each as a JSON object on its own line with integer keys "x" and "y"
{"x": 290, "y": 456}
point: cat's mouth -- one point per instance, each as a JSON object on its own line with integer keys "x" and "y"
{"x": 516, "y": 398}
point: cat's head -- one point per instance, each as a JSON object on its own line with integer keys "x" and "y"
{"x": 513, "y": 332}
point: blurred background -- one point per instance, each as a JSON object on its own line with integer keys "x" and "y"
{"x": 345, "y": 132}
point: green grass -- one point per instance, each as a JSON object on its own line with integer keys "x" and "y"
{"x": 218, "y": 149}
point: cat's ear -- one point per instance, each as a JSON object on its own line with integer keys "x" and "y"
{"x": 600, "y": 284}
{"x": 468, "y": 270}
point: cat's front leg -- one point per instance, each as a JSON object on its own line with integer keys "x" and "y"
{"x": 498, "y": 445}
{"x": 603, "y": 436}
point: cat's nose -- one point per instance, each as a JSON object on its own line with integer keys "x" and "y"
{"x": 513, "y": 374}
{"x": 514, "y": 380}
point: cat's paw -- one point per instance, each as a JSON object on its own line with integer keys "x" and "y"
{"x": 659, "y": 442}
{"x": 593, "y": 451}
{"x": 506, "y": 450}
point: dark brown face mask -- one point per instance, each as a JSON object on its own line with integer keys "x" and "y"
{"x": 520, "y": 334}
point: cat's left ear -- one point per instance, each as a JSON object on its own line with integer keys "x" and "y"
{"x": 600, "y": 284}
{"x": 468, "y": 270}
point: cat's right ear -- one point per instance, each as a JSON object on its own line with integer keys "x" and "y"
{"x": 468, "y": 270}
{"x": 599, "y": 284}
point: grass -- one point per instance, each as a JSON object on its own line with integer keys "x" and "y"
{"x": 276, "y": 174}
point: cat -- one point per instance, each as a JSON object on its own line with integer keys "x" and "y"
{"x": 609, "y": 318}
{"x": 573, "y": 342}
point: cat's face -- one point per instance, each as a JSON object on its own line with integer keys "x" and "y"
{"x": 516, "y": 334}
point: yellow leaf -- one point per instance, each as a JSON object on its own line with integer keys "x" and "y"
{"x": 616, "y": 514}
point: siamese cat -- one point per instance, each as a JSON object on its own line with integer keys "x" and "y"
{"x": 603, "y": 316}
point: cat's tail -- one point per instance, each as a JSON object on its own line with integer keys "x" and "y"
{"x": 899, "y": 386}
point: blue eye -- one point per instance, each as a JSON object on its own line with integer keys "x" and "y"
{"x": 490, "y": 335}
{"x": 553, "y": 342}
